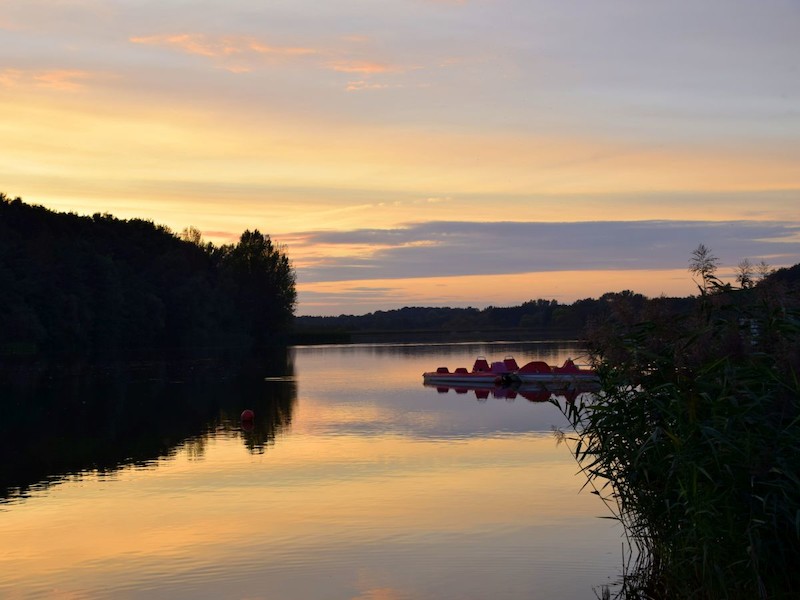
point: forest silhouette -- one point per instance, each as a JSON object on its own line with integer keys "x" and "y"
{"x": 99, "y": 286}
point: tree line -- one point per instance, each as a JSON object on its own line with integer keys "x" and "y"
{"x": 535, "y": 315}
{"x": 99, "y": 286}
{"x": 544, "y": 316}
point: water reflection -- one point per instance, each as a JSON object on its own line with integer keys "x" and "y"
{"x": 354, "y": 482}
{"x": 374, "y": 389}
{"x": 61, "y": 421}
{"x": 530, "y": 392}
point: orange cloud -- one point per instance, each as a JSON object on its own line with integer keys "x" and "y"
{"x": 260, "y": 48}
{"x": 191, "y": 44}
{"x": 220, "y": 46}
{"x": 10, "y": 77}
{"x": 66, "y": 79}
{"x": 363, "y": 66}
{"x": 69, "y": 80}
{"x": 241, "y": 54}
{"x": 357, "y": 86}
{"x": 366, "y": 69}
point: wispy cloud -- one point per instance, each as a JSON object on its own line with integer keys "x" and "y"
{"x": 195, "y": 43}
{"x": 238, "y": 54}
{"x": 366, "y": 67}
{"x": 358, "y": 67}
{"x": 361, "y": 85}
{"x": 68, "y": 80}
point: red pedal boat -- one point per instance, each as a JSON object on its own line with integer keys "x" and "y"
{"x": 507, "y": 371}
{"x": 482, "y": 373}
{"x": 540, "y": 372}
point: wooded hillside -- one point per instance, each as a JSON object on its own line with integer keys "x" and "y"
{"x": 96, "y": 286}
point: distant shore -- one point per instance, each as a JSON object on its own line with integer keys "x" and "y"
{"x": 423, "y": 336}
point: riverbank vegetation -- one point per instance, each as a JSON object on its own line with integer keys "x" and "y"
{"x": 91, "y": 287}
{"x": 694, "y": 441}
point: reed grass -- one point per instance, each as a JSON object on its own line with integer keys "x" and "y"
{"x": 694, "y": 442}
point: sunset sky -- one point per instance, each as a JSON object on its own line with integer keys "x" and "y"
{"x": 420, "y": 152}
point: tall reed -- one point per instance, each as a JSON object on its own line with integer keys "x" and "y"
{"x": 694, "y": 441}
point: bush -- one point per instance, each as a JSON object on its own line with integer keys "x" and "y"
{"x": 694, "y": 442}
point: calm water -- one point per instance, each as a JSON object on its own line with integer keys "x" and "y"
{"x": 355, "y": 482}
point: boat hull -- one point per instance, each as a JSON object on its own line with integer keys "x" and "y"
{"x": 555, "y": 378}
{"x": 461, "y": 378}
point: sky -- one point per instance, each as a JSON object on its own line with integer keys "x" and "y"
{"x": 420, "y": 152}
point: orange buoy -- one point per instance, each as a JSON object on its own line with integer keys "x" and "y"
{"x": 248, "y": 415}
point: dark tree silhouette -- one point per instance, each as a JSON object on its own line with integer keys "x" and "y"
{"x": 263, "y": 284}
{"x": 101, "y": 286}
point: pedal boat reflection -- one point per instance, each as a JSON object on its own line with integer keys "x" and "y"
{"x": 534, "y": 392}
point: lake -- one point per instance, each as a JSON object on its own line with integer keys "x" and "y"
{"x": 354, "y": 481}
